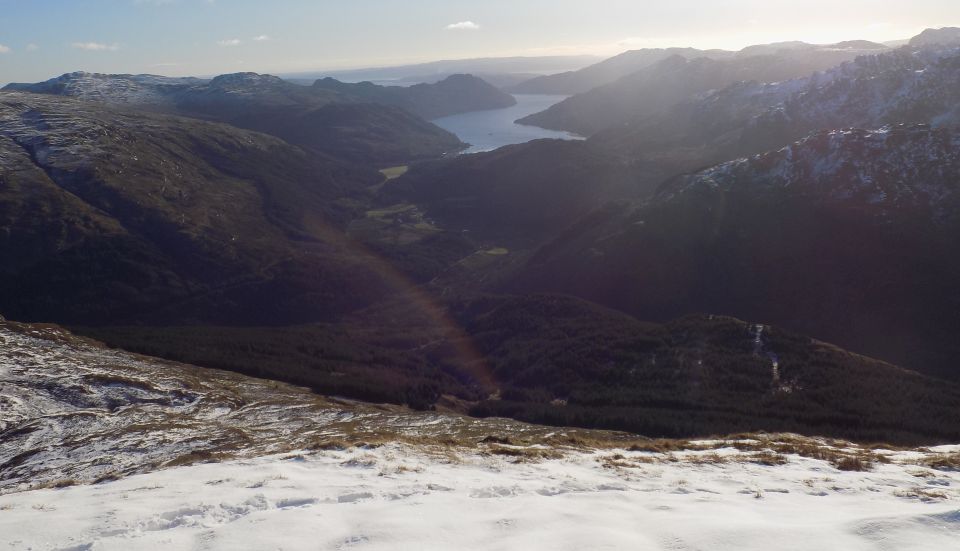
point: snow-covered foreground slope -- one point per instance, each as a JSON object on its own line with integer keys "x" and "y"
{"x": 396, "y": 497}
{"x": 101, "y": 449}
{"x": 75, "y": 412}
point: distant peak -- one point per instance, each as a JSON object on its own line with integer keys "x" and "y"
{"x": 931, "y": 37}
{"x": 247, "y": 78}
{"x": 859, "y": 45}
{"x": 462, "y": 76}
{"x": 462, "y": 80}
{"x": 763, "y": 49}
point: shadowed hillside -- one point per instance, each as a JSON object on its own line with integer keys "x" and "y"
{"x": 846, "y": 235}
{"x": 108, "y": 214}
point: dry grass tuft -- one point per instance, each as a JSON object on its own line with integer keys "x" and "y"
{"x": 525, "y": 454}
{"x": 194, "y": 457}
{"x": 837, "y": 453}
{"x": 944, "y": 462}
{"x": 664, "y": 446}
{"x": 922, "y": 494}
{"x": 56, "y": 484}
{"x": 330, "y": 444}
{"x": 706, "y": 459}
{"x": 768, "y": 458}
{"x": 618, "y": 461}
{"x": 853, "y": 463}
{"x": 505, "y": 440}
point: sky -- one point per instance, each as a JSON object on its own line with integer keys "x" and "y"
{"x": 40, "y": 39}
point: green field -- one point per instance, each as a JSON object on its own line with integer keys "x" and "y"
{"x": 394, "y": 172}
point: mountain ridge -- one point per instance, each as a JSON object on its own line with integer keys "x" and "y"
{"x": 626, "y": 63}
{"x": 323, "y": 121}
{"x": 671, "y": 81}
{"x": 450, "y": 96}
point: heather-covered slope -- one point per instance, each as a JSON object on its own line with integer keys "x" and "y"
{"x": 115, "y": 214}
{"x": 562, "y": 361}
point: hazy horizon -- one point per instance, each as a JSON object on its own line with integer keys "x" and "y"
{"x": 206, "y": 37}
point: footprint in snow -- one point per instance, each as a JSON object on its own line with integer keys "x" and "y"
{"x": 81, "y": 547}
{"x": 354, "y": 498}
{"x": 295, "y": 502}
{"x": 494, "y": 492}
{"x": 353, "y": 541}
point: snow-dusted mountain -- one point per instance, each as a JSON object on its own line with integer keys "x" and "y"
{"x": 452, "y": 95}
{"x": 893, "y": 171}
{"x": 934, "y": 37}
{"x": 119, "y": 89}
{"x": 902, "y": 86}
{"x": 630, "y": 62}
{"x": 655, "y": 90}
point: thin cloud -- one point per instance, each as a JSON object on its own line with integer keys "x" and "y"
{"x": 4, "y": 49}
{"x": 261, "y": 38}
{"x": 165, "y": 2}
{"x": 463, "y": 26}
{"x": 95, "y": 46}
{"x": 230, "y": 42}
{"x": 32, "y": 47}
